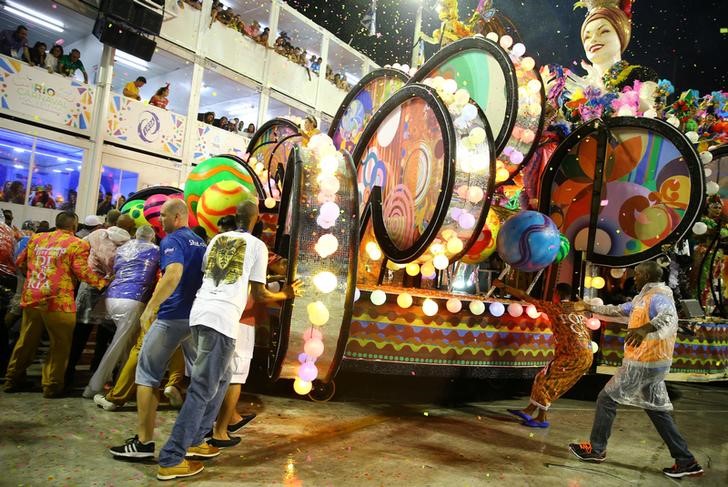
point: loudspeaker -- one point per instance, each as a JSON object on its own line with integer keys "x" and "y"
{"x": 690, "y": 308}
{"x": 117, "y": 35}
{"x": 135, "y": 15}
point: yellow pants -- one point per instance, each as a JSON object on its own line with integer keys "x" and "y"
{"x": 59, "y": 326}
{"x": 125, "y": 388}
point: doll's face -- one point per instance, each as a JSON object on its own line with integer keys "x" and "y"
{"x": 601, "y": 42}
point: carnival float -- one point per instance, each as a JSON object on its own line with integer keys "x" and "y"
{"x": 434, "y": 179}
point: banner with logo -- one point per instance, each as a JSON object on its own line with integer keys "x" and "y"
{"x": 212, "y": 141}
{"x": 137, "y": 124}
{"x": 37, "y": 95}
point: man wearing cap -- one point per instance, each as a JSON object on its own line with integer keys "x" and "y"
{"x": 51, "y": 261}
{"x": 90, "y": 223}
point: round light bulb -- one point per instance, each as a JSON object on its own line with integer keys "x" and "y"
{"x": 412, "y": 269}
{"x": 378, "y": 297}
{"x": 429, "y": 307}
{"x": 477, "y": 307}
{"x": 318, "y": 313}
{"x": 404, "y": 300}
{"x": 440, "y": 262}
{"x": 454, "y": 305}
{"x": 301, "y": 386}
{"x": 532, "y": 312}
{"x": 325, "y": 282}
{"x": 593, "y": 323}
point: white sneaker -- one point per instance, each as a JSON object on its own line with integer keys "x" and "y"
{"x": 174, "y": 396}
{"x": 101, "y": 402}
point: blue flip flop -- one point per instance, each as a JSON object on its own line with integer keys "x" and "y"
{"x": 533, "y": 423}
{"x": 520, "y": 414}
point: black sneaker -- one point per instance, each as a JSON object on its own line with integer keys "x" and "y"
{"x": 584, "y": 452}
{"x": 677, "y": 472}
{"x": 246, "y": 418}
{"x": 133, "y": 448}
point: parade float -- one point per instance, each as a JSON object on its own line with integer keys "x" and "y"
{"x": 394, "y": 218}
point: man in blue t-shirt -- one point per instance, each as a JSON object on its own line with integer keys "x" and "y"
{"x": 165, "y": 321}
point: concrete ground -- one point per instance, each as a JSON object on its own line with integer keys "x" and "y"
{"x": 377, "y": 431}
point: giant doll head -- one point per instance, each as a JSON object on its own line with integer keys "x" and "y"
{"x": 606, "y": 30}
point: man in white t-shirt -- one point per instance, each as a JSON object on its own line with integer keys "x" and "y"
{"x": 233, "y": 260}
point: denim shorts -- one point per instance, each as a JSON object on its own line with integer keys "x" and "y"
{"x": 160, "y": 342}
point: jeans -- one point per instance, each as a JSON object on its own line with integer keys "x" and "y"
{"x": 208, "y": 384}
{"x": 160, "y": 342}
{"x": 664, "y": 424}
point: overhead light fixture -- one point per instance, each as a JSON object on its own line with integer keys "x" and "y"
{"x": 61, "y": 159}
{"x": 18, "y": 166}
{"x": 34, "y": 16}
{"x": 131, "y": 61}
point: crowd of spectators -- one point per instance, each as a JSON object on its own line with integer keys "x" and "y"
{"x": 234, "y": 125}
{"x": 14, "y": 43}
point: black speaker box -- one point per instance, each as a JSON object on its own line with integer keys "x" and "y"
{"x": 135, "y": 15}
{"x": 117, "y": 35}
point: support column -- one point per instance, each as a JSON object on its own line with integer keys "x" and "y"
{"x": 88, "y": 183}
{"x": 322, "y": 70}
{"x": 275, "y": 12}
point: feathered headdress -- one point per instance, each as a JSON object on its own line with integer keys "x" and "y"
{"x": 616, "y": 12}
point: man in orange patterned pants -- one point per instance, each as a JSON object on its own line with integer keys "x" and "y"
{"x": 573, "y": 355}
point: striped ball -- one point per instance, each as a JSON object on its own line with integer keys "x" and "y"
{"x": 219, "y": 200}
{"x": 564, "y": 249}
{"x": 213, "y": 171}
{"x": 529, "y": 241}
{"x": 152, "y": 208}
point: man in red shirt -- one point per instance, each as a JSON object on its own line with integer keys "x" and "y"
{"x": 52, "y": 261}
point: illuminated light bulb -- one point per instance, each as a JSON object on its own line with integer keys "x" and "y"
{"x": 492, "y": 36}
{"x": 534, "y": 109}
{"x": 497, "y": 309}
{"x": 593, "y": 323}
{"x": 427, "y": 269}
{"x": 466, "y": 220}
{"x": 259, "y": 167}
{"x": 462, "y": 96}
{"x": 329, "y": 164}
{"x": 437, "y": 248}
{"x": 373, "y": 251}
{"x": 502, "y": 174}
{"x": 314, "y": 348}
{"x": 325, "y": 282}
{"x": 534, "y": 86}
{"x": 330, "y": 211}
{"x": 378, "y": 297}
{"x": 617, "y": 273}
{"x": 588, "y": 282}
{"x": 441, "y": 262}
{"x": 532, "y": 312}
{"x": 302, "y": 387}
{"x": 477, "y": 135}
{"x": 454, "y": 305}
{"x": 454, "y": 246}
{"x": 404, "y": 300}
{"x": 357, "y": 294}
{"x": 594, "y": 347}
{"x": 506, "y": 41}
{"x": 412, "y": 269}
{"x": 515, "y": 310}
{"x": 518, "y": 49}
{"x": 477, "y": 307}
{"x": 597, "y": 301}
{"x": 598, "y": 282}
{"x": 429, "y": 307}
{"x": 270, "y": 202}
{"x": 475, "y": 194}
{"x": 326, "y": 245}
{"x": 329, "y": 184}
{"x": 527, "y": 63}
{"x": 318, "y": 313}
{"x": 307, "y": 371}
{"x": 448, "y": 233}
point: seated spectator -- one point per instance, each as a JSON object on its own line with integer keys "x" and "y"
{"x": 209, "y": 118}
{"x": 250, "y": 130}
{"x": 222, "y": 123}
{"x": 53, "y": 57}
{"x": 14, "y": 43}
{"x": 263, "y": 37}
{"x": 42, "y": 198}
{"x": 37, "y": 55}
{"x": 131, "y": 89}
{"x": 70, "y": 63}
{"x": 337, "y": 80}
{"x": 329, "y": 73}
{"x": 253, "y": 30}
{"x": 159, "y": 99}
{"x": 13, "y": 192}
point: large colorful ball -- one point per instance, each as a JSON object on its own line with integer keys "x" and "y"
{"x": 129, "y": 205}
{"x": 152, "y": 209}
{"x": 191, "y": 218}
{"x": 484, "y": 246}
{"x": 564, "y": 249}
{"x": 213, "y": 171}
{"x": 136, "y": 212}
{"x": 529, "y": 241}
{"x": 219, "y": 200}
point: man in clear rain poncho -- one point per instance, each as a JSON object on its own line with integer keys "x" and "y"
{"x": 640, "y": 381}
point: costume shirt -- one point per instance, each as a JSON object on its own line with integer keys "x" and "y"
{"x": 233, "y": 259}
{"x": 184, "y": 247}
{"x": 135, "y": 271}
{"x": 55, "y": 260}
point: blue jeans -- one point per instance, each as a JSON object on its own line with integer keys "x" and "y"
{"x": 208, "y": 384}
{"x": 664, "y": 424}
{"x": 160, "y": 342}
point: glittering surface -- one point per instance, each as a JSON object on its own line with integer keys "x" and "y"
{"x": 681, "y": 40}
{"x": 379, "y": 431}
